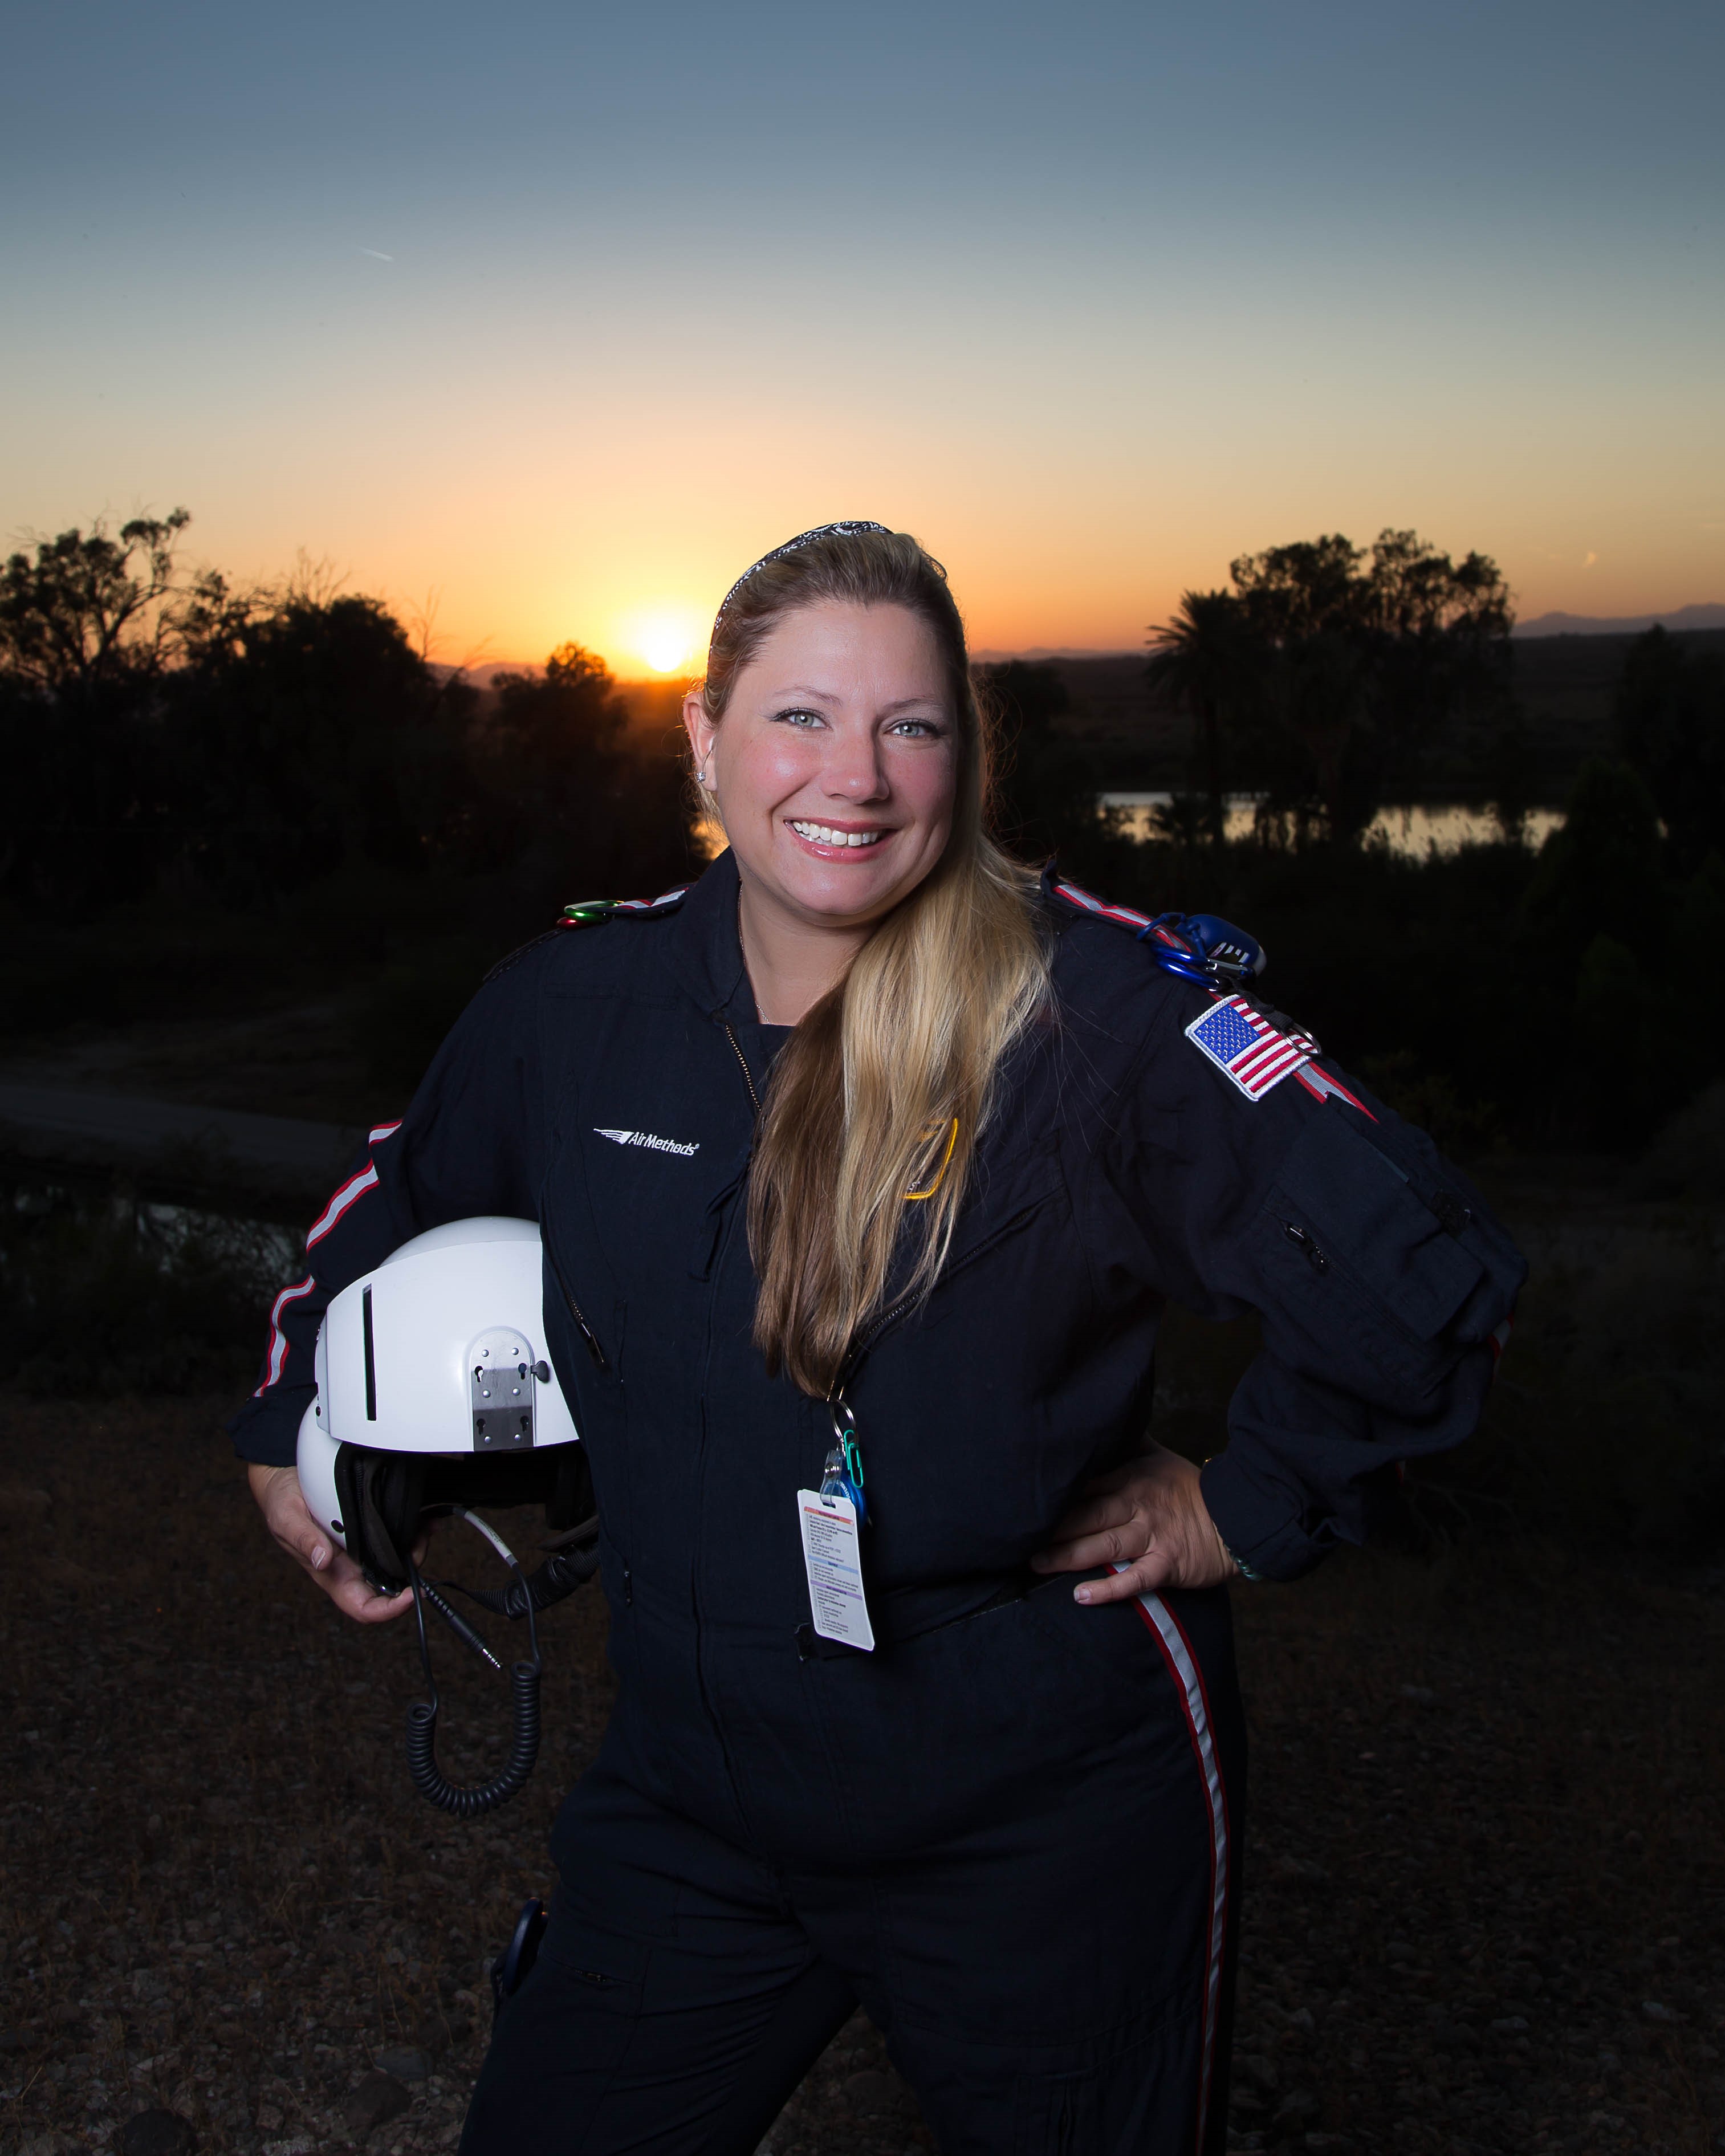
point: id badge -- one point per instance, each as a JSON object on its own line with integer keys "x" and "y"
{"x": 832, "y": 1553}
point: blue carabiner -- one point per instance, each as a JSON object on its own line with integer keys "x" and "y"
{"x": 844, "y": 1471}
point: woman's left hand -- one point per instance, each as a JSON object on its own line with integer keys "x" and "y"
{"x": 1148, "y": 1516}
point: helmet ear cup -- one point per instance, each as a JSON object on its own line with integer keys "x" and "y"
{"x": 572, "y": 1500}
{"x": 382, "y": 1496}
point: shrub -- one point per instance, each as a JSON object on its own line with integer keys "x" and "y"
{"x": 101, "y": 1294}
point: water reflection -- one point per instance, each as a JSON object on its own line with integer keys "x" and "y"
{"x": 1414, "y": 828}
{"x": 106, "y": 1292}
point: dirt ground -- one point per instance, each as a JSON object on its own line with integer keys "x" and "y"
{"x": 1485, "y": 1878}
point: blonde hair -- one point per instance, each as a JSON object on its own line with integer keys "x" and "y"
{"x": 880, "y": 1096}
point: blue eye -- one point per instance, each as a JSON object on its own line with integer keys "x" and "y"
{"x": 796, "y": 717}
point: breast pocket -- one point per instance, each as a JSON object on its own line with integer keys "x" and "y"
{"x": 997, "y": 1257}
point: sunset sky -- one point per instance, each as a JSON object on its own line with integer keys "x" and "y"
{"x": 567, "y": 313}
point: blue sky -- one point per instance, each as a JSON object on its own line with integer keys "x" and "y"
{"x": 565, "y": 314}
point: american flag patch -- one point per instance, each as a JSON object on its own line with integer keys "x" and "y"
{"x": 1246, "y": 1047}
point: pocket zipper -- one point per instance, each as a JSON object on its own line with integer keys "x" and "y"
{"x": 891, "y": 1315}
{"x": 1306, "y": 1247}
{"x": 587, "y": 1334}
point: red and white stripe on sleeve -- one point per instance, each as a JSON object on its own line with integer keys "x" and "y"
{"x": 354, "y": 1187}
{"x": 278, "y": 1339}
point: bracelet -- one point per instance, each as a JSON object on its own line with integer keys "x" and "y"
{"x": 1245, "y": 1570}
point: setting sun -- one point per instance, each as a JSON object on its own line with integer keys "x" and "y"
{"x": 666, "y": 637}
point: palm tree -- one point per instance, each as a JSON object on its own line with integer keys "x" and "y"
{"x": 1202, "y": 659}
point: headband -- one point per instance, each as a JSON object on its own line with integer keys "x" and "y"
{"x": 843, "y": 531}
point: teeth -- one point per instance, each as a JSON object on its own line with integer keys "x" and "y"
{"x": 822, "y": 835}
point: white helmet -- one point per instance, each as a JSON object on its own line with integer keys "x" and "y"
{"x": 436, "y": 1362}
{"x": 434, "y": 1395}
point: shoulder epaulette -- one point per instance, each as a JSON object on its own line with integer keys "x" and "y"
{"x": 1196, "y": 947}
{"x": 585, "y": 912}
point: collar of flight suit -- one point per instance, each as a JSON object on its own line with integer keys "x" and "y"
{"x": 706, "y": 948}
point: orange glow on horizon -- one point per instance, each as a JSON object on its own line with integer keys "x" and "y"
{"x": 1043, "y": 568}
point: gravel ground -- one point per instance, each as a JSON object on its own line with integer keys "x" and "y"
{"x": 1485, "y": 1907}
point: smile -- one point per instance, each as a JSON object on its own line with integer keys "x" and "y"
{"x": 824, "y": 834}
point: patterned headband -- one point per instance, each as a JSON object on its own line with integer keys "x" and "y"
{"x": 843, "y": 531}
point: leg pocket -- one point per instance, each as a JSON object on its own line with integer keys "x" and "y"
{"x": 559, "y": 2044}
{"x": 588, "y": 1954}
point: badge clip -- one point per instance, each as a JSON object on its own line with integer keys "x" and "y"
{"x": 842, "y": 1474}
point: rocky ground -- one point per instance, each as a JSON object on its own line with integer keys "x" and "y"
{"x": 1485, "y": 1903}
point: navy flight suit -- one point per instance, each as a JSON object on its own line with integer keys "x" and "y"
{"x": 1014, "y": 1827}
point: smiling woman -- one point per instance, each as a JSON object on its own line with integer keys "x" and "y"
{"x": 838, "y": 752}
{"x": 918, "y": 1147}
{"x": 839, "y": 738}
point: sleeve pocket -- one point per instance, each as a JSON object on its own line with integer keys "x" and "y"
{"x": 1355, "y": 1259}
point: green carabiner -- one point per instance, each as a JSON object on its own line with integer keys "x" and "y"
{"x": 845, "y": 1430}
{"x": 585, "y": 910}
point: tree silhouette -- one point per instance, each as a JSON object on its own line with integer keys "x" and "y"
{"x": 308, "y": 735}
{"x": 1044, "y": 787}
{"x": 90, "y": 612}
{"x": 1206, "y": 658}
{"x": 1599, "y": 872}
{"x": 563, "y": 795}
{"x": 89, "y": 626}
{"x": 1669, "y": 716}
{"x": 1331, "y": 673}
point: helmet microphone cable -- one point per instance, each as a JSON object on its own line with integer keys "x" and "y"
{"x": 459, "y": 1625}
{"x": 430, "y": 1782}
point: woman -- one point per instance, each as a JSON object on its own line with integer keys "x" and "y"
{"x": 873, "y": 1135}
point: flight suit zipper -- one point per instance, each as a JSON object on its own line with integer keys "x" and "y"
{"x": 743, "y": 1063}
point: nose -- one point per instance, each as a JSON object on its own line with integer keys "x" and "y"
{"x": 854, "y": 771}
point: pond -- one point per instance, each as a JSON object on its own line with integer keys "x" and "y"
{"x": 1415, "y": 828}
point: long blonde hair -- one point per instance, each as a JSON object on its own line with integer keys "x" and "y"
{"x": 878, "y": 1099}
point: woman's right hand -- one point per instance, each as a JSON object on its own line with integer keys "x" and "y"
{"x": 277, "y": 1491}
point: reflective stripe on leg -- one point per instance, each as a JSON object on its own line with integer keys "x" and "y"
{"x": 1188, "y": 1680}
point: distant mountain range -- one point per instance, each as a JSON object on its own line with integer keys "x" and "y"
{"x": 485, "y": 675}
{"x": 1039, "y": 652}
{"x": 1628, "y": 624}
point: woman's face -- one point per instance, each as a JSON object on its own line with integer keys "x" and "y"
{"x": 836, "y": 764}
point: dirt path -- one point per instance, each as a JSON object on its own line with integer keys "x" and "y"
{"x": 226, "y": 1111}
{"x": 299, "y": 1062}
{"x": 1486, "y": 1900}
{"x": 80, "y": 1124}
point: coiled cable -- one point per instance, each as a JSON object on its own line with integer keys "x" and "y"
{"x": 428, "y": 1778}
